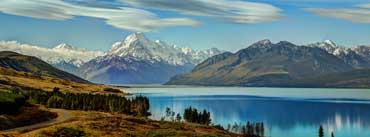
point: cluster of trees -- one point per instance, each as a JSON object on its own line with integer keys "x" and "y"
{"x": 321, "y": 132}
{"x": 192, "y": 115}
{"x": 10, "y": 103}
{"x": 137, "y": 106}
{"x": 170, "y": 115}
{"x": 248, "y": 130}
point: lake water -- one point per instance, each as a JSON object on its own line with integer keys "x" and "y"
{"x": 286, "y": 112}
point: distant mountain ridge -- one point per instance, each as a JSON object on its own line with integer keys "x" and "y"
{"x": 273, "y": 64}
{"x": 60, "y": 53}
{"x": 139, "y": 60}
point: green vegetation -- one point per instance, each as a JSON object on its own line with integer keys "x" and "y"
{"x": 192, "y": 115}
{"x": 137, "y": 106}
{"x": 350, "y": 79}
{"x": 10, "y": 103}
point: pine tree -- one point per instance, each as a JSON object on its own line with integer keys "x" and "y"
{"x": 321, "y": 131}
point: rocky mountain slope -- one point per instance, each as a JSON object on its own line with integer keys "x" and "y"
{"x": 269, "y": 64}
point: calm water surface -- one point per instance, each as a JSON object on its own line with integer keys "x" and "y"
{"x": 286, "y": 112}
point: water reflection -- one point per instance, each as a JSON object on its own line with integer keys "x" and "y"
{"x": 280, "y": 115}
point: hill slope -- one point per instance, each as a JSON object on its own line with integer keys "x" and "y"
{"x": 30, "y": 64}
{"x": 359, "y": 78}
{"x": 263, "y": 64}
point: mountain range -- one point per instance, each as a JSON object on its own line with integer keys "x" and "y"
{"x": 134, "y": 60}
{"x": 139, "y": 60}
{"x": 279, "y": 64}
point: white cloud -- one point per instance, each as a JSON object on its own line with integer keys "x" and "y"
{"x": 361, "y": 14}
{"x": 124, "y": 17}
{"x": 234, "y": 11}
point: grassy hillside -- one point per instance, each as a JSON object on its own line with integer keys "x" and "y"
{"x": 11, "y": 79}
{"x": 35, "y": 66}
{"x": 351, "y": 79}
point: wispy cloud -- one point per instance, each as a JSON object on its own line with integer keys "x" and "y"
{"x": 364, "y": 6}
{"x": 359, "y": 14}
{"x": 122, "y": 17}
{"x": 234, "y": 11}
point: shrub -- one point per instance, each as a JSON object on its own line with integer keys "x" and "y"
{"x": 69, "y": 132}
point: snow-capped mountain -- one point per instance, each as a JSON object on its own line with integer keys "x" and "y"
{"x": 199, "y": 56}
{"x": 60, "y": 53}
{"x": 357, "y": 57}
{"x": 362, "y": 50}
{"x": 138, "y": 59}
{"x": 137, "y": 45}
{"x": 331, "y": 47}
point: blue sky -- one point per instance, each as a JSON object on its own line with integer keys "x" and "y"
{"x": 199, "y": 24}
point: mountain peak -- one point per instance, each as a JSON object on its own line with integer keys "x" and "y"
{"x": 64, "y": 46}
{"x": 285, "y": 43}
{"x": 264, "y": 42}
{"x": 136, "y": 36}
{"x": 330, "y": 42}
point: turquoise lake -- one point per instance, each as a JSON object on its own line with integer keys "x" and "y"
{"x": 286, "y": 112}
